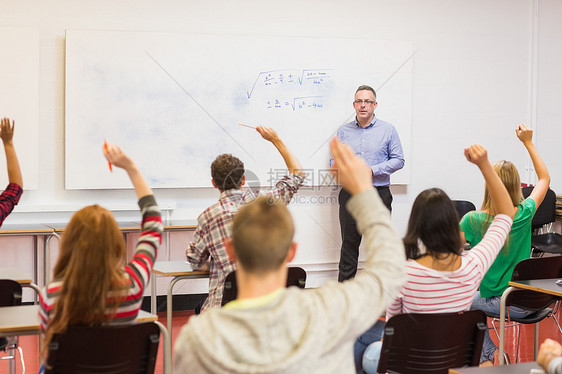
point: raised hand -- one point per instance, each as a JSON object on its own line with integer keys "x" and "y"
{"x": 350, "y": 170}
{"x": 268, "y": 133}
{"x": 476, "y": 154}
{"x": 6, "y": 130}
{"x": 524, "y": 133}
{"x": 293, "y": 164}
{"x": 117, "y": 157}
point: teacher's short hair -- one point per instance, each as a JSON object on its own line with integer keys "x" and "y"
{"x": 364, "y": 87}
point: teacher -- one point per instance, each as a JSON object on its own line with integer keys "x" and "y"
{"x": 376, "y": 142}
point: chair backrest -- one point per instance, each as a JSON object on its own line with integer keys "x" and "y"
{"x": 534, "y": 268}
{"x": 432, "y": 343}
{"x": 463, "y": 207}
{"x": 538, "y": 268}
{"x": 296, "y": 276}
{"x": 10, "y": 292}
{"x": 105, "y": 349}
{"x": 546, "y": 212}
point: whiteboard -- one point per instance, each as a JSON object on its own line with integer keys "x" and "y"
{"x": 19, "y": 100}
{"x": 173, "y": 101}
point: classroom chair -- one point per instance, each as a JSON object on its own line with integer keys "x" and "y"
{"x": 10, "y": 295}
{"x": 123, "y": 349}
{"x": 537, "y": 302}
{"x": 463, "y": 207}
{"x": 296, "y": 276}
{"x": 416, "y": 343}
{"x": 543, "y": 238}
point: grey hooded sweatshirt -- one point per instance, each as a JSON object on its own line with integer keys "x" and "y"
{"x": 302, "y": 331}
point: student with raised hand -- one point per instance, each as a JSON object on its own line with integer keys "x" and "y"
{"x": 11, "y": 195}
{"x": 92, "y": 283}
{"x": 207, "y": 251}
{"x": 440, "y": 277}
{"x": 273, "y": 329}
{"x": 518, "y": 245}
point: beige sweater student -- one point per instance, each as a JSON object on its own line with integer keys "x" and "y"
{"x": 301, "y": 331}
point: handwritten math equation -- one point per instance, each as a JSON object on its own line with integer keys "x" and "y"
{"x": 314, "y": 102}
{"x": 287, "y": 88}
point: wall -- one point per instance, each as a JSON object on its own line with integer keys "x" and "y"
{"x": 476, "y": 75}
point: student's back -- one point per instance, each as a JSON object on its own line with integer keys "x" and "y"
{"x": 92, "y": 283}
{"x": 439, "y": 278}
{"x": 431, "y": 290}
{"x": 206, "y": 250}
{"x": 293, "y": 330}
{"x": 517, "y": 247}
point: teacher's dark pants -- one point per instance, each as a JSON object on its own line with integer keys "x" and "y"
{"x": 351, "y": 239}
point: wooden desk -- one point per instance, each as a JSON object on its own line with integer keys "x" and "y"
{"x": 178, "y": 270}
{"x": 124, "y": 227}
{"x": 522, "y": 368}
{"x": 58, "y": 230}
{"x": 34, "y": 230}
{"x": 177, "y": 225}
{"x": 24, "y": 320}
{"x": 547, "y": 286}
{"x": 19, "y": 320}
{"x": 180, "y": 225}
{"x": 20, "y": 277}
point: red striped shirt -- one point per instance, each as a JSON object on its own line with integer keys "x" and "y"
{"x": 432, "y": 291}
{"x": 137, "y": 270}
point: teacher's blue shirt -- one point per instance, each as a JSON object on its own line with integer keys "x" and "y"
{"x": 378, "y": 144}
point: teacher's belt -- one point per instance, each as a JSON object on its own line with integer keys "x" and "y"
{"x": 382, "y": 187}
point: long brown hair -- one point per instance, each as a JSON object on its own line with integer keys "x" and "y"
{"x": 90, "y": 265}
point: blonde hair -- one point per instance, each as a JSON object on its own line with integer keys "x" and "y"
{"x": 90, "y": 265}
{"x": 262, "y": 233}
{"x": 510, "y": 178}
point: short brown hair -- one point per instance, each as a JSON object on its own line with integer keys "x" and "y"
{"x": 262, "y": 233}
{"x": 364, "y": 87}
{"x": 227, "y": 172}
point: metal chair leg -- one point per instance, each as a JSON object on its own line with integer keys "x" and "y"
{"x": 21, "y": 359}
{"x": 518, "y": 342}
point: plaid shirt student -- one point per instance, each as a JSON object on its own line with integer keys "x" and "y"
{"x": 9, "y": 198}
{"x": 213, "y": 228}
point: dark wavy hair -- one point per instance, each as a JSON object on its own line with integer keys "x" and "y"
{"x": 434, "y": 221}
{"x": 227, "y": 172}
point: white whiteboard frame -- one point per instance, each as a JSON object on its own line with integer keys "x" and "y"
{"x": 173, "y": 102}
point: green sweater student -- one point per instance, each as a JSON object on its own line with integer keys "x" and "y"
{"x": 518, "y": 243}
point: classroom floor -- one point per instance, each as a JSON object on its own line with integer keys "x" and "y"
{"x": 547, "y": 329}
